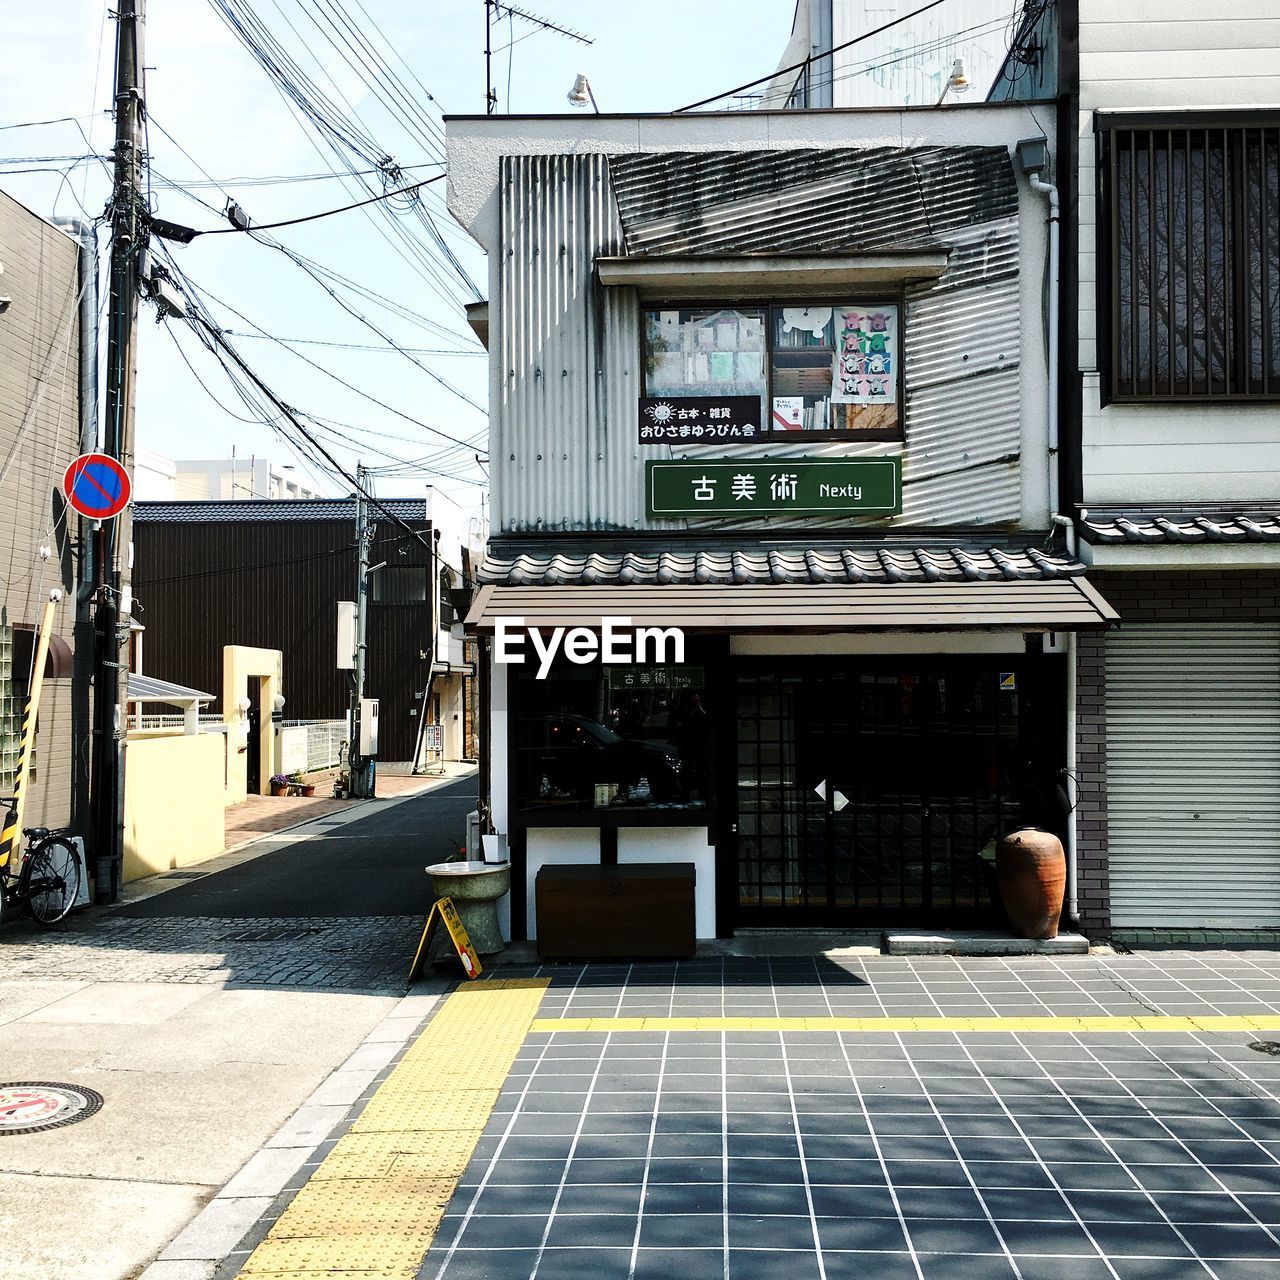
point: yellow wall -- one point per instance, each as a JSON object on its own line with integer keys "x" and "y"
{"x": 239, "y": 663}
{"x": 173, "y": 801}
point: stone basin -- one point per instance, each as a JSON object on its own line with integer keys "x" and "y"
{"x": 474, "y": 888}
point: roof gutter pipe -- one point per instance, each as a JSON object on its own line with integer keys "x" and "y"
{"x": 1050, "y": 192}
{"x": 1038, "y": 184}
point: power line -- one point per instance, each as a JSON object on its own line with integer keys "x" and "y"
{"x": 813, "y": 57}
{"x": 269, "y": 180}
{"x": 327, "y": 213}
{"x": 358, "y": 346}
{"x": 203, "y": 323}
{"x": 389, "y": 304}
{"x": 35, "y": 124}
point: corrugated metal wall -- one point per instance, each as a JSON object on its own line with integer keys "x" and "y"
{"x": 275, "y": 584}
{"x": 566, "y": 456}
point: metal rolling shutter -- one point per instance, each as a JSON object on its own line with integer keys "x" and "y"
{"x": 1193, "y": 775}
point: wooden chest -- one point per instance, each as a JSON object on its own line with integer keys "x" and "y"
{"x": 641, "y": 911}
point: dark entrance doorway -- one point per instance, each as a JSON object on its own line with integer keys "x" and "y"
{"x": 253, "y": 747}
{"x": 869, "y": 788}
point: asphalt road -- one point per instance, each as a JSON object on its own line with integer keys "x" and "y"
{"x": 370, "y": 867}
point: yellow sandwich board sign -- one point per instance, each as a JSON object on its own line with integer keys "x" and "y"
{"x": 445, "y": 910}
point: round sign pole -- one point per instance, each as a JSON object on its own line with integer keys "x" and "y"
{"x": 97, "y": 486}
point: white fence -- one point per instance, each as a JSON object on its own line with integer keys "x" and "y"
{"x": 324, "y": 741}
{"x": 210, "y": 722}
{"x": 324, "y": 738}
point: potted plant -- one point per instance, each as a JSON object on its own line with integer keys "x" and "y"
{"x": 300, "y": 785}
{"x": 279, "y": 784}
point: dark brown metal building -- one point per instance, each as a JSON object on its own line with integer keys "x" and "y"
{"x": 270, "y": 574}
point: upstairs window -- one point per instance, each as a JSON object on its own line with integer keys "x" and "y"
{"x": 1189, "y": 239}
{"x": 828, "y": 368}
{"x": 399, "y": 584}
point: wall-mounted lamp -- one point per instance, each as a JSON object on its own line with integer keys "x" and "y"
{"x": 243, "y": 706}
{"x": 278, "y": 703}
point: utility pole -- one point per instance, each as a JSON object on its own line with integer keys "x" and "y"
{"x": 361, "y": 768}
{"x": 112, "y": 538}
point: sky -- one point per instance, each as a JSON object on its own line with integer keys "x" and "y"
{"x": 217, "y": 118}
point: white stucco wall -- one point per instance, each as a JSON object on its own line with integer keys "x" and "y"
{"x": 1169, "y": 54}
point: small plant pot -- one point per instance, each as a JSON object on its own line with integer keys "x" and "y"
{"x": 308, "y": 789}
{"x": 279, "y": 788}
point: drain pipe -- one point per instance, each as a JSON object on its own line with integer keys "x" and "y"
{"x": 87, "y": 238}
{"x": 1038, "y": 184}
{"x": 1048, "y": 190}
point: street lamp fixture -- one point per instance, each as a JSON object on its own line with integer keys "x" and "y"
{"x": 957, "y": 82}
{"x": 580, "y": 95}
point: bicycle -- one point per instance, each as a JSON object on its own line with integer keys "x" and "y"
{"x": 48, "y": 876}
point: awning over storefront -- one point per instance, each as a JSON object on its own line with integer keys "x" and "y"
{"x": 788, "y": 587}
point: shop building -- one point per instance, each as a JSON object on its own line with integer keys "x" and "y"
{"x": 1170, "y": 155}
{"x": 779, "y": 381}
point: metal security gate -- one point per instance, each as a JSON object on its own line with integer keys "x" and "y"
{"x": 868, "y": 793}
{"x": 1193, "y": 775}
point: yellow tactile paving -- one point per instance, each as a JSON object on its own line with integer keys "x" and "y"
{"x": 390, "y": 1204}
{"x": 421, "y": 1110}
{"x": 342, "y": 1250}
{"x": 371, "y": 1210}
{"x": 1118, "y": 1023}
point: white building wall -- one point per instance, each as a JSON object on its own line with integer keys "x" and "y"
{"x": 1158, "y": 54}
{"x": 154, "y": 477}
{"x": 235, "y": 480}
{"x": 908, "y": 65}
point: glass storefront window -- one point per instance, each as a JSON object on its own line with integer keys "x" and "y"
{"x": 816, "y": 367}
{"x": 611, "y": 740}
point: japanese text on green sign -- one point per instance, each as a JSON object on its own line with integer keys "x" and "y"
{"x": 775, "y": 486}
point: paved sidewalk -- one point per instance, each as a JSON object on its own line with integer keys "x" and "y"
{"x": 229, "y": 1019}
{"x": 1093, "y": 1129}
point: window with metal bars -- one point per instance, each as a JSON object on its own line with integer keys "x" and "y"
{"x": 1189, "y": 256}
{"x": 12, "y": 699}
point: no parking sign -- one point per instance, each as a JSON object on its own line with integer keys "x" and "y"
{"x": 97, "y": 486}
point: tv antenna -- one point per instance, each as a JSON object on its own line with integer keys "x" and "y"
{"x": 494, "y": 10}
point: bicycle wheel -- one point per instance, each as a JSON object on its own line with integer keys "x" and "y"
{"x": 51, "y": 880}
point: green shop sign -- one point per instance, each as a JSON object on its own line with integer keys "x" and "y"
{"x": 775, "y": 486}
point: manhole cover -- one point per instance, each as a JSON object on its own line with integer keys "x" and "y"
{"x": 31, "y": 1106}
{"x": 1266, "y": 1046}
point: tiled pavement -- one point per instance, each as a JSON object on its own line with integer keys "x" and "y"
{"x": 754, "y": 1154}
{"x": 834, "y": 1155}
{"x": 1173, "y": 983}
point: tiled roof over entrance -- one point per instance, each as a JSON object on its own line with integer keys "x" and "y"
{"x": 528, "y": 563}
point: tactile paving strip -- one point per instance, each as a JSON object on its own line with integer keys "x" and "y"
{"x": 372, "y": 1208}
